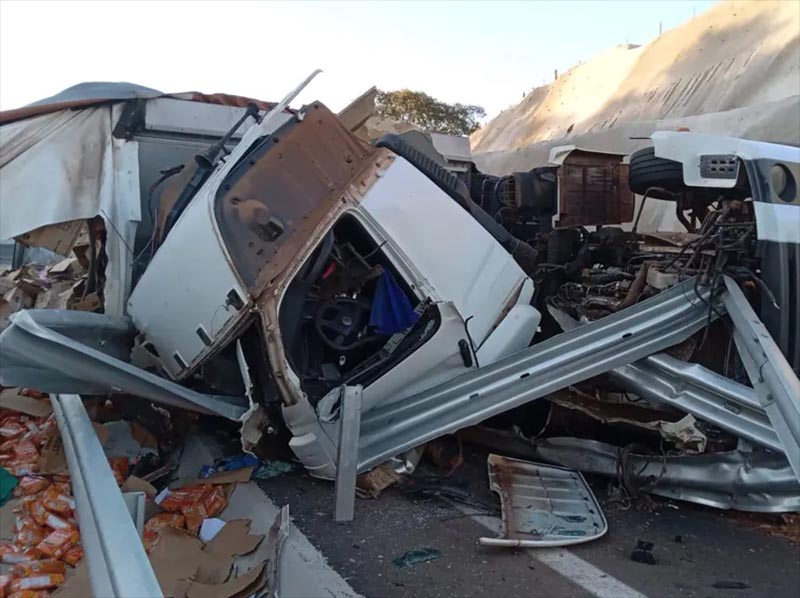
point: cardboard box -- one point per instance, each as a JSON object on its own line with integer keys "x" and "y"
{"x": 59, "y": 238}
{"x": 18, "y": 299}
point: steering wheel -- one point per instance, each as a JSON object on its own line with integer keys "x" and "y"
{"x": 339, "y": 322}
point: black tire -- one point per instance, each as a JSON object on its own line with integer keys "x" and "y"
{"x": 647, "y": 171}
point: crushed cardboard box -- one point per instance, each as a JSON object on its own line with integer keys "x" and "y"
{"x": 59, "y": 238}
{"x": 185, "y": 566}
{"x": 10, "y": 398}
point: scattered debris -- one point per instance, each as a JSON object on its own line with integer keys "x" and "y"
{"x": 543, "y": 506}
{"x": 229, "y": 464}
{"x": 417, "y": 556}
{"x": 643, "y": 553}
{"x": 376, "y": 480}
{"x": 730, "y": 585}
{"x": 271, "y": 469}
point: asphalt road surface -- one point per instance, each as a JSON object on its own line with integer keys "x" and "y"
{"x": 695, "y": 547}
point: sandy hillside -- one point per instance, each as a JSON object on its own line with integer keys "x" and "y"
{"x": 734, "y": 70}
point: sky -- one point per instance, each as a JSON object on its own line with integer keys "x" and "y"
{"x": 485, "y": 53}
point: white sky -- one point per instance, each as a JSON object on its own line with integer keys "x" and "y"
{"x": 484, "y": 53}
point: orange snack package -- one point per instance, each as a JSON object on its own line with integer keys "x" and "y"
{"x": 163, "y": 520}
{"x": 44, "y": 517}
{"x": 11, "y": 429}
{"x": 215, "y": 502}
{"x": 39, "y": 568}
{"x": 212, "y": 503}
{"x": 5, "y": 581}
{"x": 7, "y": 446}
{"x": 120, "y": 466}
{"x": 64, "y": 488}
{"x": 29, "y": 533}
{"x": 58, "y": 542}
{"x": 32, "y": 484}
{"x": 30, "y": 594}
{"x": 183, "y": 497}
{"x": 37, "y": 582}
{"x": 18, "y": 469}
{"x": 56, "y": 502}
{"x": 150, "y": 540}
{"x": 14, "y": 555}
{"x": 25, "y": 450}
{"x": 73, "y": 555}
{"x": 24, "y": 504}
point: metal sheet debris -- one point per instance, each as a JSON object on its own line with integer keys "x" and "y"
{"x": 749, "y": 481}
{"x": 543, "y": 506}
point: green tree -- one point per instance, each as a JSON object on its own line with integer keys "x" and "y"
{"x": 428, "y": 113}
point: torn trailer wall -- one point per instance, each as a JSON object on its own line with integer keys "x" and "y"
{"x": 103, "y": 146}
{"x": 66, "y": 166}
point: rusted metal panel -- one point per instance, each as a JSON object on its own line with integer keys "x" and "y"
{"x": 593, "y": 190}
{"x": 543, "y": 506}
{"x": 271, "y": 202}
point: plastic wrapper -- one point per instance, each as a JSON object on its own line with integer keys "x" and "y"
{"x": 121, "y": 467}
{"x": 56, "y": 544}
{"x": 73, "y": 555}
{"x": 57, "y": 503}
{"x": 30, "y": 594}
{"x": 14, "y": 555}
{"x": 64, "y": 488}
{"x": 211, "y": 504}
{"x": 150, "y": 540}
{"x": 26, "y": 451}
{"x": 163, "y": 520}
{"x": 18, "y": 469}
{"x": 44, "y": 517}
{"x": 30, "y": 485}
{"x": 5, "y": 581}
{"x": 215, "y": 502}
{"x": 37, "y": 582}
{"x": 29, "y": 533}
{"x": 39, "y": 568}
{"x": 180, "y": 498}
{"x": 7, "y": 446}
{"x": 11, "y": 429}
{"x": 24, "y": 504}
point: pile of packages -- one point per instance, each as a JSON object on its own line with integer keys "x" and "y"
{"x": 185, "y": 508}
{"x": 69, "y": 283}
{"x": 46, "y": 537}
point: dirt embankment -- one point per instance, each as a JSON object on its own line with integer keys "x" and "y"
{"x": 733, "y": 70}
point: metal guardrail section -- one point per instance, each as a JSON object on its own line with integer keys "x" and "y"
{"x": 36, "y": 351}
{"x": 619, "y": 339}
{"x": 759, "y": 481}
{"x": 118, "y": 565}
{"x": 775, "y": 382}
{"x": 705, "y": 394}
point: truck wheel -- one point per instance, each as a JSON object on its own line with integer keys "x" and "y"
{"x": 647, "y": 170}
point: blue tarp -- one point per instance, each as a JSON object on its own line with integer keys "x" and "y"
{"x": 391, "y": 310}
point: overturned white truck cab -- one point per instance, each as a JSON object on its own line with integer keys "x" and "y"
{"x": 335, "y": 262}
